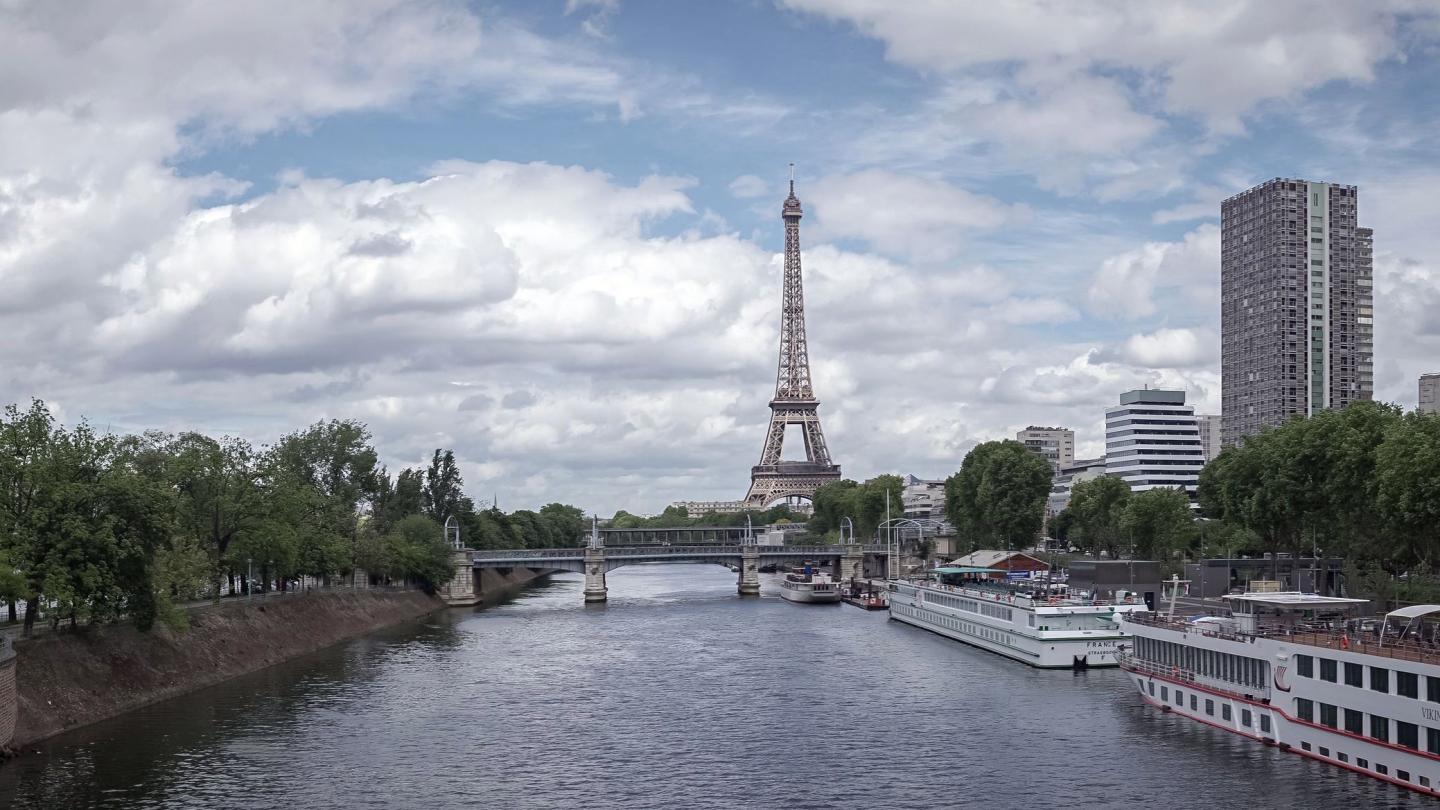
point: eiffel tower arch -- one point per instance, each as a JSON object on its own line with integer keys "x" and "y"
{"x": 794, "y": 402}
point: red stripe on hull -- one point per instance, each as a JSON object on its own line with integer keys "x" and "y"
{"x": 1286, "y": 746}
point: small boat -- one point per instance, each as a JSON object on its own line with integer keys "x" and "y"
{"x": 864, "y": 596}
{"x": 810, "y": 586}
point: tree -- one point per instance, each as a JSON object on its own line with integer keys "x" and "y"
{"x": 416, "y": 550}
{"x": 830, "y": 504}
{"x": 1098, "y": 505}
{"x": 443, "y": 487}
{"x": 220, "y": 490}
{"x": 1407, "y": 487}
{"x": 25, "y": 445}
{"x": 997, "y": 499}
{"x": 1061, "y": 524}
{"x": 1158, "y": 523}
{"x": 329, "y": 469}
{"x": 566, "y": 524}
{"x": 871, "y": 499}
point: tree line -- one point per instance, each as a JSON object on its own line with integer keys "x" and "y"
{"x": 863, "y": 503}
{"x": 1362, "y": 483}
{"x": 94, "y": 527}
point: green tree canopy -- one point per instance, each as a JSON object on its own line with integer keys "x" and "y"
{"x": 997, "y": 499}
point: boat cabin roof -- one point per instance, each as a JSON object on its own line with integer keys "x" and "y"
{"x": 1413, "y": 612}
{"x": 1292, "y": 600}
{"x": 967, "y": 569}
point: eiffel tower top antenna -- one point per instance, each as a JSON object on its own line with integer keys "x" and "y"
{"x": 792, "y": 178}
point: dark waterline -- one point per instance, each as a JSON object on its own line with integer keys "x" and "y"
{"x": 675, "y": 694}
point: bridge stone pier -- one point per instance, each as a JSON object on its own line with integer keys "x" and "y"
{"x": 749, "y": 584}
{"x": 460, "y": 591}
{"x": 595, "y": 590}
{"x": 597, "y": 560}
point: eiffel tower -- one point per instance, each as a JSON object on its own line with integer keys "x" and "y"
{"x": 794, "y": 402}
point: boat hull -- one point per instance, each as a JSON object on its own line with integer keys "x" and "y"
{"x": 1037, "y": 653}
{"x": 810, "y": 597}
{"x": 1308, "y": 740}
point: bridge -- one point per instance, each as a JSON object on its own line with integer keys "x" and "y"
{"x": 598, "y": 559}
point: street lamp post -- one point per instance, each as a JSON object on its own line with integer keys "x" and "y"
{"x": 893, "y": 543}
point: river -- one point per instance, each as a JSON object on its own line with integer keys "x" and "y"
{"x": 675, "y": 694}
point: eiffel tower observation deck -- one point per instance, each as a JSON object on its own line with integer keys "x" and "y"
{"x": 794, "y": 402}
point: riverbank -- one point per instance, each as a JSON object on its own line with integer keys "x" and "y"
{"x": 70, "y": 680}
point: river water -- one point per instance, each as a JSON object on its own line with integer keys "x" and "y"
{"x": 676, "y": 694}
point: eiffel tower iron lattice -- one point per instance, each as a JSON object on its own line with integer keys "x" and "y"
{"x": 794, "y": 402}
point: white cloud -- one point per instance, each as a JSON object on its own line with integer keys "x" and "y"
{"x": 1172, "y": 348}
{"x": 906, "y": 215}
{"x": 1216, "y": 60}
{"x": 1125, "y": 287}
{"x": 748, "y": 186}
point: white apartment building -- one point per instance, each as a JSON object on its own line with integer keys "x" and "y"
{"x": 1082, "y": 470}
{"x": 1209, "y": 425}
{"x": 1152, "y": 441}
{"x": 1430, "y": 393}
{"x": 1054, "y": 444}
{"x": 923, "y": 500}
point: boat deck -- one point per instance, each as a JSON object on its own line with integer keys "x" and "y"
{"x": 1339, "y": 640}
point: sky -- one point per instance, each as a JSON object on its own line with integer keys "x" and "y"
{"x": 546, "y": 234}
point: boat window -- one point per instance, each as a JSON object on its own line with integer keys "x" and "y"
{"x": 1381, "y": 768}
{"x": 1304, "y": 746}
{"x": 1407, "y": 734}
{"x": 1407, "y": 684}
{"x": 1225, "y": 711}
{"x": 1380, "y": 679}
{"x": 1324, "y": 752}
{"x": 1210, "y": 707}
{"x": 1342, "y": 757}
{"x": 1354, "y": 674}
{"x": 1362, "y": 762}
{"x": 1245, "y": 718}
{"x": 1327, "y": 673}
{"x": 1403, "y": 776}
{"x": 1432, "y": 689}
{"x": 1432, "y": 740}
{"x": 1165, "y": 694}
{"x": 1329, "y": 715}
{"x": 1424, "y": 781}
{"x": 1265, "y": 723}
{"x": 1179, "y": 698}
{"x": 1354, "y": 721}
{"x": 1305, "y": 709}
{"x": 1380, "y": 728}
{"x": 1193, "y": 705}
{"x": 1305, "y": 666}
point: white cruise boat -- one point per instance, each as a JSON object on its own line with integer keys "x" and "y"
{"x": 1052, "y": 633}
{"x": 1286, "y": 669}
{"x": 815, "y": 587}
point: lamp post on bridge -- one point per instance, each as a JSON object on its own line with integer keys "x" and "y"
{"x": 892, "y": 545}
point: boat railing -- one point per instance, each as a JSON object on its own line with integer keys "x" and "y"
{"x": 1313, "y": 635}
{"x": 1005, "y": 597}
{"x": 1128, "y": 660}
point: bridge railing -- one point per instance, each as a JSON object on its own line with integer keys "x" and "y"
{"x": 669, "y": 551}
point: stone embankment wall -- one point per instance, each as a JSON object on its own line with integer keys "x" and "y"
{"x": 71, "y": 679}
{"x": 8, "y": 705}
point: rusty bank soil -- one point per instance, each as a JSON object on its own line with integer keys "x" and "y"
{"x": 67, "y": 680}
